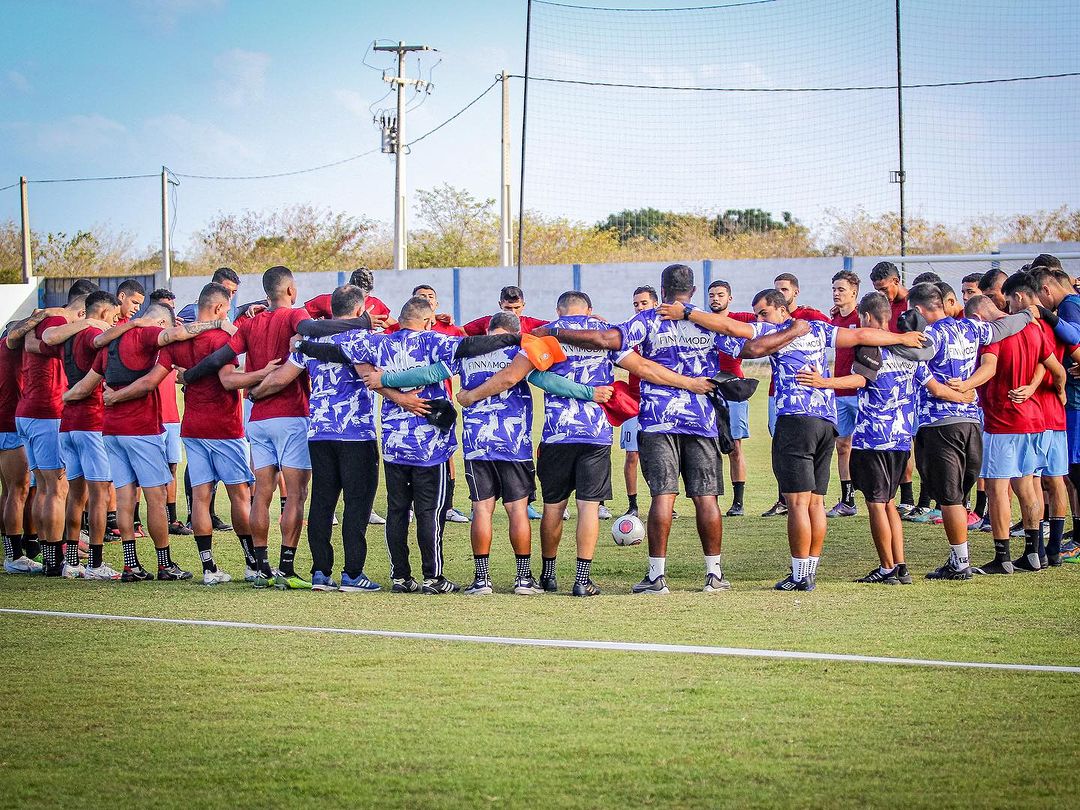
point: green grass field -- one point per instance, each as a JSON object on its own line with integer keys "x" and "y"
{"x": 139, "y": 715}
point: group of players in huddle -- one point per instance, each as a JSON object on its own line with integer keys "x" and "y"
{"x": 279, "y": 398}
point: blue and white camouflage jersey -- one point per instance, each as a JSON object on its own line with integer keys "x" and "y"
{"x": 341, "y": 406}
{"x": 806, "y": 353}
{"x": 886, "y": 417}
{"x": 572, "y": 420}
{"x": 407, "y": 439}
{"x": 956, "y": 354}
{"x": 687, "y": 349}
{"x": 498, "y": 428}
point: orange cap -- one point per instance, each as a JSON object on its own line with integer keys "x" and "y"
{"x": 543, "y": 352}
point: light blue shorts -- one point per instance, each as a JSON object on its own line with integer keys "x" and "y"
{"x": 1010, "y": 455}
{"x": 772, "y": 415}
{"x": 42, "y": 438}
{"x": 279, "y": 442}
{"x": 628, "y": 435}
{"x": 846, "y": 409}
{"x": 11, "y": 441}
{"x": 224, "y": 460}
{"x": 1053, "y": 453}
{"x": 173, "y": 447}
{"x": 84, "y": 455}
{"x": 138, "y": 460}
{"x": 739, "y": 419}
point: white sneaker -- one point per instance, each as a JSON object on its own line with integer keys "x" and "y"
{"x": 84, "y": 538}
{"x": 334, "y": 522}
{"x": 454, "y": 516}
{"x": 215, "y": 577}
{"x": 73, "y": 572}
{"x": 23, "y": 565}
{"x": 250, "y": 574}
{"x": 376, "y": 519}
{"x": 566, "y": 514}
{"x": 102, "y": 572}
{"x": 603, "y": 513}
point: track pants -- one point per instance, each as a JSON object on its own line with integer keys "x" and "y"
{"x": 338, "y": 467}
{"x": 424, "y": 490}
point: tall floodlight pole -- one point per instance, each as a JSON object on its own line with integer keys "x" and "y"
{"x": 27, "y": 256}
{"x": 506, "y": 223}
{"x": 524, "y": 121}
{"x": 400, "y": 82}
{"x": 901, "y": 177}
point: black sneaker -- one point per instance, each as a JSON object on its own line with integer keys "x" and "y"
{"x": 135, "y": 574}
{"x": 652, "y": 586}
{"x": 549, "y": 584}
{"x": 439, "y": 585}
{"x": 1027, "y": 562}
{"x": 219, "y": 524}
{"x": 776, "y": 510}
{"x": 1052, "y": 560}
{"x": 902, "y": 574}
{"x": 479, "y": 587}
{"x": 947, "y": 571}
{"x": 736, "y": 510}
{"x": 878, "y": 578}
{"x": 631, "y": 511}
{"x": 178, "y": 529}
{"x": 587, "y": 589}
{"x": 1044, "y": 561}
{"x": 407, "y": 585}
{"x": 172, "y": 573}
{"x": 789, "y": 583}
{"x": 995, "y": 566}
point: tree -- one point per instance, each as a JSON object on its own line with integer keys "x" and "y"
{"x": 747, "y": 220}
{"x": 461, "y": 231}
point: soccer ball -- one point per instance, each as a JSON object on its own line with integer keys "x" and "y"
{"x": 627, "y": 530}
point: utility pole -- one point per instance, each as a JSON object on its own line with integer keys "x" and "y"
{"x": 401, "y": 252}
{"x": 166, "y": 249}
{"x": 524, "y": 130}
{"x": 27, "y": 257}
{"x": 506, "y": 222}
{"x": 900, "y": 176}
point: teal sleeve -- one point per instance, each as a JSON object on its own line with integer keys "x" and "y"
{"x": 560, "y": 386}
{"x": 416, "y": 377}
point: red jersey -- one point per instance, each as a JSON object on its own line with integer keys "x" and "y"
{"x": 170, "y": 414}
{"x": 899, "y": 307}
{"x": 141, "y": 416}
{"x": 264, "y": 338}
{"x": 845, "y": 358}
{"x": 319, "y": 306}
{"x": 729, "y": 364}
{"x": 1052, "y": 410}
{"x": 807, "y": 314}
{"x": 1018, "y": 356}
{"x": 11, "y": 375}
{"x": 480, "y": 325}
{"x": 210, "y": 411}
{"x": 88, "y": 413}
{"x": 43, "y": 378}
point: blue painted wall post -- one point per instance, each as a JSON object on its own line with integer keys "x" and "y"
{"x": 341, "y": 278}
{"x": 706, "y": 271}
{"x": 849, "y": 263}
{"x": 576, "y": 282}
{"x": 456, "y": 275}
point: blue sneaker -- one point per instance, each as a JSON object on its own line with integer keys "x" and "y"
{"x": 322, "y": 582}
{"x": 789, "y": 583}
{"x": 534, "y": 514}
{"x": 358, "y": 584}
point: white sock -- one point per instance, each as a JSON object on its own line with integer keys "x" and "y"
{"x": 712, "y": 565}
{"x": 800, "y": 567}
{"x": 960, "y": 556}
{"x": 813, "y": 565}
{"x": 656, "y": 567}
{"x": 883, "y": 570}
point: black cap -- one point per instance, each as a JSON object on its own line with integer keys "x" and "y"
{"x": 733, "y": 388}
{"x": 442, "y": 415}
{"x": 911, "y": 321}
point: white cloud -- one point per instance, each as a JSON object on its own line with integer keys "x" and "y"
{"x": 77, "y": 135}
{"x": 242, "y": 76}
{"x": 17, "y": 81}
{"x": 196, "y": 146}
{"x": 166, "y": 13}
{"x": 354, "y": 103}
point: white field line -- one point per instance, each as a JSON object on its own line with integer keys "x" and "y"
{"x": 573, "y": 644}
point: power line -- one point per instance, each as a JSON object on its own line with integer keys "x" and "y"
{"x": 95, "y": 179}
{"x": 685, "y": 8}
{"x": 455, "y": 115}
{"x": 276, "y": 174}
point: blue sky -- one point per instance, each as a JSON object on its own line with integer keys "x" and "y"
{"x": 243, "y": 87}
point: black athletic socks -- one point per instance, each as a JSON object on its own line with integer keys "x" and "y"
{"x": 524, "y": 566}
{"x": 249, "y": 550}
{"x": 51, "y": 558}
{"x": 283, "y": 502}
{"x": 924, "y": 498}
{"x": 1031, "y": 540}
{"x": 480, "y": 563}
{"x": 71, "y": 554}
{"x": 288, "y": 556}
{"x": 548, "y": 571}
{"x": 847, "y": 493}
{"x": 1001, "y": 551}
{"x": 110, "y": 523}
{"x": 138, "y": 518}
{"x": 907, "y": 492}
{"x": 9, "y": 547}
{"x": 131, "y": 558}
{"x": 204, "y": 543}
{"x": 260, "y": 559}
{"x": 980, "y": 503}
{"x": 632, "y": 501}
{"x": 164, "y": 557}
{"x": 740, "y": 491}
{"x": 95, "y": 555}
{"x": 583, "y": 569}
{"x": 1057, "y": 532}
{"x": 30, "y": 544}
{"x": 170, "y": 509}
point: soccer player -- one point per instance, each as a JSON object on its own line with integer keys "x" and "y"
{"x": 227, "y": 278}
{"x": 720, "y": 299}
{"x": 885, "y": 276}
{"x": 170, "y": 418}
{"x": 321, "y": 306}
{"x": 131, "y": 295}
{"x": 806, "y": 418}
{"x": 845, "y": 290}
{"x": 990, "y": 285}
{"x": 969, "y": 286}
{"x": 644, "y": 298}
{"x": 511, "y": 299}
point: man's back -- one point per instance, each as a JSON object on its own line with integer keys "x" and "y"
{"x": 1018, "y": 357}
{"x": 265, "y": 338}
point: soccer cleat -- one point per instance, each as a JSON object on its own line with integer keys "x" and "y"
{"x": 358, "y": 584}
{"x": 176, "y": 528}
{"x": 250, "y": 574}
{"x": 375, "y": 519}
{"x": 321, "y": 582}
{"x": 23, "y": 565}
{"x": 139, "y": 530}
{"x": 261, "y": 580}
{"x": 172, "y": 573}
{"x": 334, "y": 520}
{"x": 534, "y": 513}
{"x": 776, "y": 510}
{"x": 674, "y": 515}
{"x": 290, "y": 582}
{"x": 984, "y": 525}
{"x": 603, "y": 512}
{"x": 439, "y": 585}
{"x": 588, "y": 588}
{"x": 1044, "y": 561}
{"x": 407, "y": 585}
{"x": 135, "y": 573}
{"x": 1017, "y": 529}
{"x": 904, "y": 509}
{"x": 549, "y": 584}
{"x": 566, "y": 514}
{"x": 215, "y": 577}
{"x": 948, "y": 571}
{"x": 789, "y": 583}
{"x": 1027, "y": 562}
{"x": 842, "y": 510}
{"x": 102, "y": 573}
{"x": 736, "y": 510}
{"x": 73, "y": 571}
{"x": 218, "y": 524}
{"x": 902, "y": 574}
{"x": 973, "y": 520}
{"x": 651, "y": 586}
{"x": 631, "y": 511}
{"x": 715, "y": 584}
{"x": 920, "y": 514}
{"x": 455, "y": 516}
{"x": 479, "y": 587}
{"x": 527, "y": 586}
{"x": 1052, "y": 561}
{"x": 878, "y": 578}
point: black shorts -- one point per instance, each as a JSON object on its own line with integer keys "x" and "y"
{"x": 949, "y": 458}
{"x": 877, "y": 473}
{"x": 569, "y": 467}
{"x": 509, "y": 480}
{"x": 664, "y": 456}
{"x": 802, "y": 451}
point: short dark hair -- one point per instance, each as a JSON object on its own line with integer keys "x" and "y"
{"x": 649, "y": 291}
{"x": 210, "y": 292}
{"x": 77, "y": 301}
{"x": 676, "y": 279}
{"x": 923, "y": 278}
{"x": 363, "y": 278}
{"x": 81, "y": 286}
{"x": 275, "y": 278}
{"x": 225, "y": 274}
{"x": 925, "y": 294}
{"x": 971, "y": 278}
{"x": 884, "y": 270}
{"x": 848, "y": 276}
{"x": 721, "y": 283}
{"x": 100, "y": 298}
{"x": 163, "y": 295}
{"x": 1044, "y": 275}
{"x": 345, "y": 299}
{"x": 794, "y": 279}
{"x": 505, "y": 320}
{"x": 772, "y": 297}
{"x": 877, "y": 306}
{"x": 130, "y": 287}
{"x": 511, "y": 293}
{"x": 976, "y": 304}
{"x": 1022, "y": 283}
{"x": 414, "y": 309}
{"x": 1046, "y": 260}
{"x": 571, "y": 297}
{"x": 420, "y": 287}
{"x": 946, "y": 290}
{"x": 160, "y": 311}
{"x": 989, "y": 278}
